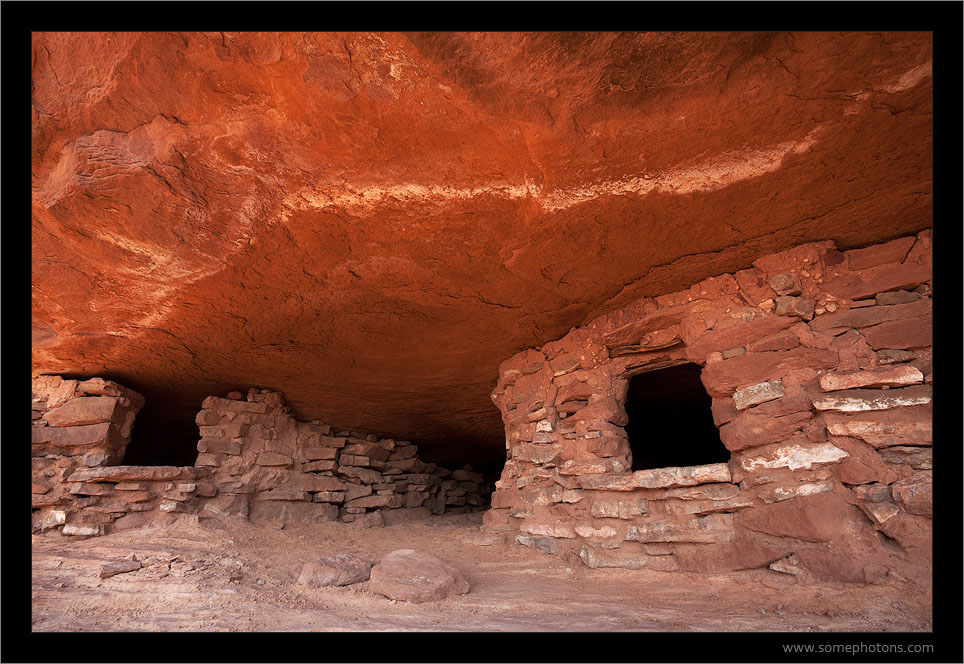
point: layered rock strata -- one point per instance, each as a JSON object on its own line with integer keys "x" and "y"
{"x": 818, "y": 363}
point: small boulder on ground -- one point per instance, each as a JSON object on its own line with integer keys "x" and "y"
{"x": 340, "y": 570}
{"x": 414, "y": 576}
{"x": 119, "y": 567}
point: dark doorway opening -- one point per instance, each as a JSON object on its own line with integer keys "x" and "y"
{"x": 158, "y": 439}
{"x": 670, "y": 421}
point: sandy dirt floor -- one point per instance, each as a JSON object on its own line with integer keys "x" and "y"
{"x": 238, "y": 576}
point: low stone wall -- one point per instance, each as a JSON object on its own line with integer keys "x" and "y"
{"x": 81, "y": 430}
{"x": 267, "y": 465}
{"x": 818, "y": 363}
{"x": 255, "y": 461}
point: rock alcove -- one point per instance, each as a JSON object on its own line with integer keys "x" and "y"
{"x": 353, "y": 231}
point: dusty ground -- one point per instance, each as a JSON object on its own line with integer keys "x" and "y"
{"x": 236, "y": 576}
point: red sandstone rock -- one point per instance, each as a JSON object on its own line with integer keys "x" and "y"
{"x": 752, "y": 430}
{"x": 893, "y": 377}
{"x": 910, "y": 333}
{"x": 915, "y": 493}
{"x": 339, "y": 570}
{"x": 879, "y": 254}
{"x": 724, "y": 378}
{"x": 868, "y": 316}
{"x": 128, "y": 473}
{"x": 815, "y": 518}
{"x": 415, "y": 576}
{"x": 319, "y": 156}
{"x": 82, "y": 411}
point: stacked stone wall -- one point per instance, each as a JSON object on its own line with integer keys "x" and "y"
{"x": 818, "y": 363}
{"x": 267, "y": 465}
{"x": 255, "y": 461}
{"x": 80, "y": 432}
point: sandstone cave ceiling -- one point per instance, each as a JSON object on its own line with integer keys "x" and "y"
{"x": 371, "y": 223}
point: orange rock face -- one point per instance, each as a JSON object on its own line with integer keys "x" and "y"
{"x": 371, "y": 223}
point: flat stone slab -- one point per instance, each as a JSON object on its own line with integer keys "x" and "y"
{"x": 120, "y": 567}
{"x": 135, "y": 473}
{"x": 658, "y": 478}
{"x": 795, "y": 457}
{"x": 891, "y": 377}
{"x": 414, "y": 576}
{"x": 759, "y": 393}
{"x": 82, "y": 411}
{"x": 855, "y": 401}
{"x": 339, "y": 570}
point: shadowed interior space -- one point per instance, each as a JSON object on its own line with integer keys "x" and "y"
{"x": 670, "y": 421}
{"x": 159, "y": 440}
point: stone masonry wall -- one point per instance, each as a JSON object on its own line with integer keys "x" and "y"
{"x": 81, "y": 430}
{"x": 256, "y": 461}
{"x": 267, "y": 465}
{"x": 818, "y": 363}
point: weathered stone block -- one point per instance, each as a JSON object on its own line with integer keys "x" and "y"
{"x": 219, "y": 446}
{"x": 597, "y": 557}
{"x": 879, "y": 512}
{"x": 353, "y": 460}
{"x": 658, "y": 478}
{"x": 407, "y": 452}
{"x": 310, "y": 482}
{"x": 801, "y": 307}
{"x": 564, "y": 364}
{"x": 874, "y": 493}
{"x": 859, "y": 318}
{"x": 83, "y": 411}
{"x": 870, "y": 281}
{"x": 854, "y": 401}
{"x": 136, "y": 473}
{"x": 315, "y": 453}
{"x": 283, "y": 494}
{"x": 785, "y": 283}
{"x": 897, "y": 297}
{"x": 233, "y": 406}
{"x": 918, "y": 458}
{"x": 915, "y": 493}
{"x": 891, "y": 377}
{"x": 207, "y": 460}
{"x": 900, "y": 334}
{"x": 755, "y": 429}
{"x": 75, "y": 436}
{"x": 339, "y": 570}
{"x": 207, "y": 418}
{"x": 319, "y": 466}
{"x": 274, "y": 459}
{"x": 366, "y": 475}
{"x": 541, "y": 454}
{"x": 879, "y": 254}
{"x": 888, "y": 356}
{"x": 414, "y": 576}
{"x": 618, "y": 509}
{"x": 226, "y": 504}
{"x": 887, "y": 428}
{"x": 795, "y": 457}
{"x": 714, "y": 528}
{"x": 759, "y": 393}
{"x": 231, "y": 430}
{"x": 723, "y": 378}
{"x": 543, "y": 544}
{"x": 182, "y": 507}
{"x": 780, "y": 493}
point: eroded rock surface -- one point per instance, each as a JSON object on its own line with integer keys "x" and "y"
{"x": 416, "y": 576}
{"x": 373, "y": 222}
